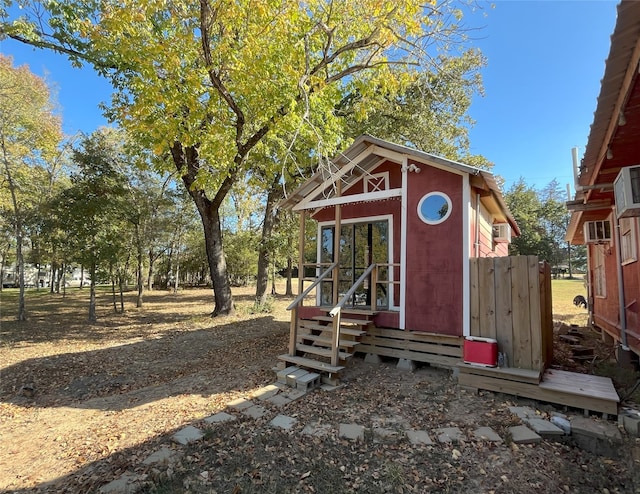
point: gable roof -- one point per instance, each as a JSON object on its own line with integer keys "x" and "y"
{"x": 615, "y": 130}
{"x": 366, "y": 153}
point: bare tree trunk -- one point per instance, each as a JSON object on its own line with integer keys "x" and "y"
{"x": 139, "y": 301}
{"x": 264, "y": 252}
{"x": 152, "y": 260}
{"x": 121, "y": 282}
{"x": 92, "y": 295}
{"x": 113, "y": 290}
{"x": 289, "y": 288}
{"x": 81, "y": 276}
{"x": 186, "y": 161}
{"x": 18, "y": 231}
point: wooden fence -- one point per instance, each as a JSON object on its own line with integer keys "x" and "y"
{"x": 511, "y": 302}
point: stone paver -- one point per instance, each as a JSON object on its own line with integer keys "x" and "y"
{"x": 598, "y": 437}
{"x": 219, "y": 418}
{"x": 562, "y": 423}
{"x": 486, "y": 434}
{"x": 317, "y": 429}
{"x": 293, "y": 394}
{"x": 596, "y": 429}
{"x": 279, "y": 400}
{"x": 523, "y": 412}
{"x": 267, "y": 392}
{"x": 163, "y": 455}
{"x": 283, "y": 422}
{"x": 255, "y": 412}
{"x": 126, "y": 483}
{"x": 384, "y": 433}
{"x": 188, "y": 435}
{"x": 353, "y": 432}
{"x": 544, "y": 428}
{"x": 521, "y": 434}
{"x": 448, "y": 434}
{"x": 419, "y": 437}
{"x": 240, "y": 404}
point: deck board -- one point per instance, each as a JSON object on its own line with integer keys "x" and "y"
{"x": 584, "y": 391}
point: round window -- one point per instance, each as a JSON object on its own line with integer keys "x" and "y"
{"x": 434, "y": 208}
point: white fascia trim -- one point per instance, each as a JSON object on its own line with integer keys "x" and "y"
{"x": 364, "y": 219}
{"x": 466, "y": 256}
{"x": 367, "y": 196}
{"x": 403, "y": 243}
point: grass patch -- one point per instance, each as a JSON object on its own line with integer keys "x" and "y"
{"x": 563, "y": 291}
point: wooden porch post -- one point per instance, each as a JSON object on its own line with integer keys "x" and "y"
{"x": 336, "y": 243}
{"x": 293, "y": 330}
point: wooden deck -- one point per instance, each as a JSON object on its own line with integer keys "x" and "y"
{"x": 591, "y": 393}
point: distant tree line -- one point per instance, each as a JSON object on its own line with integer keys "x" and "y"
{"x": 543, "y": 218}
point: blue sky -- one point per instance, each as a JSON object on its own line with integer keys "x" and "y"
{"x": 545, "y": 62}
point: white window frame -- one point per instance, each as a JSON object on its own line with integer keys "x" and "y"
{"x": 628, "y": 246}
{"x": 376, "y": 182}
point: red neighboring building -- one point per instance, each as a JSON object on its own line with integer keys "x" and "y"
{"x": 418, "y": 217}
{"x": 607, "y": 203}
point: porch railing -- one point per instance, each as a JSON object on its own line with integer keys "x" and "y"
{"x": 336, "y": 311}
{"x": 293, "y": 306}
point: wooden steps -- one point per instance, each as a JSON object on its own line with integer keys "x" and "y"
{"x": 344, "y": 320}
{"x": 305, "y": 324}
{"x": 321, "y": 351}
{"x": 315, "y": 338}
{"x": 326, "y": 342}
{"x": 584, "y": 391}
{"x": 308, "y": 363}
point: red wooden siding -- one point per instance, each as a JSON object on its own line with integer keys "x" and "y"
{"x": 434, "y": 256}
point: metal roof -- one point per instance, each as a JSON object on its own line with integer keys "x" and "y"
{"x": 328, "y": 175}
{"x": 615, "y": 131}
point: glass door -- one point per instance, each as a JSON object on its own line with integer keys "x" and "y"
{"x": 361, "y": 244}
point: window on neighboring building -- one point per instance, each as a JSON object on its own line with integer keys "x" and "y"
{"x": 628, "y": 240}
{"x": 599, "y": 279}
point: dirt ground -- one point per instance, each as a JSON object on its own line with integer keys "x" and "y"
{"x": 107, "y": 395}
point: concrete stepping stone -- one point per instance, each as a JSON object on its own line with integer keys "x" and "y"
{"x": 523, "y": 412}
{"x": 267, "y": 392}
{"x": 544, "y": 428}
{"x": 419, "y": 437}
{"x": 126, "y": 483}
{"x": 486, "y": 434}
{"x": 449, "y": 435}
{"x": 220, "y": 418}
{"x": 316, "y": 429}
{"x": 521, "y": 434}
{"x": 283, "y": 422}
{"x": 240, "y": 404}
{"x": 162, "y": 456}
{"x": 353, "y": 432}
{"x": 279, "y": 400}
{"x": 384, "y": 433}
{"x": 255, "y": 412}
{"x": 188, "y": 435}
